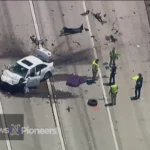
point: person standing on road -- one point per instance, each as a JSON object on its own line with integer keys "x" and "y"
{"x": 113, "y": 92}
{"x": 138, "y": 86}
{"x": 113, "y": 56}
{"x": 112, "y": 75}
{"x": 95, "y": 67}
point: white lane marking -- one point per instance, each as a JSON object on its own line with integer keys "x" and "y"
{"x": 101, "y": 80}
{"x": 35, "y": 21}
{"x": 48, "y": 82}
{"x": 4, "y": 126}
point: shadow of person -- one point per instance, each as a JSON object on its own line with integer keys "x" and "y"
{"x": 90, "y": 82}
{"x": 133, "y": 98}
{"x": 106, "y": 84}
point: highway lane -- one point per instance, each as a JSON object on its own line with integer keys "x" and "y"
{"x": 16, "y": 26}
{"x": 130, "y": 118}
{"x": 130, "y": 19}
{"x": 83, "y": 127}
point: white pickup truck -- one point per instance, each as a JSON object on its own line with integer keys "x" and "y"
{"x": 29, "y": 71}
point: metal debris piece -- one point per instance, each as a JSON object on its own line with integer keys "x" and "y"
{"x": 104, "y": 15}
{"x": 86, "y": 29}
{"x": 69, "y": 108}
{"x": 113, "y": 10}
{"x": 110, "y": 38}
{"x": 92, "y": 36}
{"x": 85, "y": 13}
{"x": 52, "y": 44}
{"x": 113, "y": 39}
{"x": 52, "y": 10}
{"x": 134, "y": 12}
{"x": 116, "y": 32}
{"x": 36, "y": 41}
{"x": 121, "y": 17}
{"x": 63, "y": 14}
{"x": 99, "y": 17}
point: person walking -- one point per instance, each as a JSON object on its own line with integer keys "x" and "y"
{"x": 138, "y": 86}
{"x": 95, "y": 67}
{"x": 112, "y": 75}
{"x": 113, "y": 92}
{"x": 113, "y": 57}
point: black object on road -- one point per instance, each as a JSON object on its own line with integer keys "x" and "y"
{"x": 85, "y": 13}
{"x": 92, "y": 102}
{"x": 67, "y": 31}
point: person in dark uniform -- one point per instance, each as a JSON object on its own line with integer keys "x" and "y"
{"x": 138, "y": 86}
{"x": 112, "y": 74}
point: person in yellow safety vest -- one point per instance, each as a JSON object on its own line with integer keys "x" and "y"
{"x": 113, "y": 56}
{"x": 139, "y": 83}
{"x": 113, "y": 91}
{"x": 95, "y": 67}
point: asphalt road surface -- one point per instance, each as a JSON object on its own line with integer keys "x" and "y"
{"x": 83, "y": 127}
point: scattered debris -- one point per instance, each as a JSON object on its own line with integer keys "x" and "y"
{"x": 138, "y": 46}
{"x": 63, "y": 14}
{"x": 52, "y": 10}
{"x": 36, "y": 41}
{"x": 67, "y": 31}
{"x": 113, "y": 10}
{"x": 105, "y": 44}
{"x": 99, "y": 17}
{"x": 85, "y": 13}
{"x": 86, "y": 29}
{"x": 113, "y": 24}
{"x": 92, "y": 36}
{"x": 52, "y": 44}
{"x": 98, "y": 29}
{"x": 116, "y": 32}
{"x": 76, "y": 42}
{"x": 69, "y": 108}
{"x": 110, "y": 38}
{"x": 149, "y": 5}
{"x": 104, "y": 15}
{"x": 134, "y": 12}
{"x": 121, "y": 17}
{"x": 120, "y": 33}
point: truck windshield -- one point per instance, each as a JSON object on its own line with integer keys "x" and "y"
{"x": 18, "y": 69}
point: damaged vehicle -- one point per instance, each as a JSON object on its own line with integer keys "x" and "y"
{"x": 29, "y": 71}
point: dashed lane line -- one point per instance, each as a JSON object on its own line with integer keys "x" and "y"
{"x": 101, "y": 80}
{"x": 48, "y": 82}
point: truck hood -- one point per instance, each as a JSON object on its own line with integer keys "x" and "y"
{"x": 10, "y": 78}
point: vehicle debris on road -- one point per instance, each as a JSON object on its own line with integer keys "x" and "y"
{"x": 67, "y": 31}
{"x": 36, "y": 41}
{"x": 98, "y": 17}
{"x": 85, "y": 13}
{"x": 111, "y": 38}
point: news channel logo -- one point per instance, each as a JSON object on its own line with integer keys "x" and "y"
{"x": 18, "y": 130}
{"x": 11, "y": 126}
